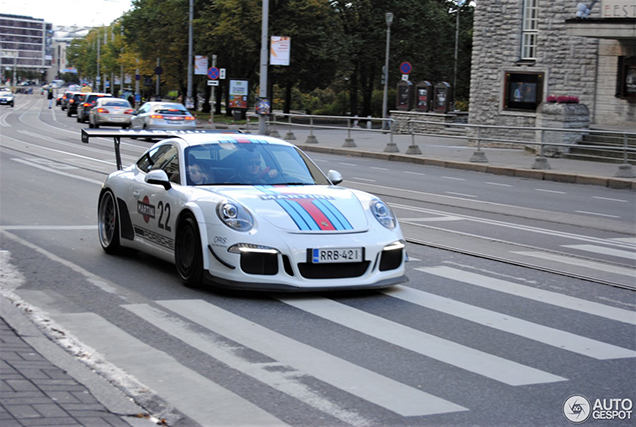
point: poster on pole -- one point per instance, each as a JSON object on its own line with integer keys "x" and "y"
{"x": 280, "y": 49}
{"x": 200, "y": 65}
{"x": 238, "y": 93}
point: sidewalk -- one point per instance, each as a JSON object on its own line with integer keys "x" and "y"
{"x": 42, "y": 385}
{"x": 447, "y": 152}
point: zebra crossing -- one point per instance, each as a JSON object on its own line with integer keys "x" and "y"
{"x": 289, "y": 365}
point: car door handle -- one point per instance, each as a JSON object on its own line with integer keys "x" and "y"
{"x": 136, "y": 194}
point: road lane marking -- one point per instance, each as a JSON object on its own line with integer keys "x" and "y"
{"x": 504, "y": 322}
{"x": 472, "y": 360}
{"x": 356, "y": 380}
{"x": 193, "y": 394}
{"x": 454, "y": 178}
{"x": 623, "y": 271}
{"x": 499, "y": 184}
{"x": 461, "y": 194}
{"x": 540, "y": 295}
{"x": 550, "y": 191}
{"x": 48, "y": 169}
{"x": 604, "y": 251}
{"x": 597, "y": 214}
{"x": 610, "y": 199}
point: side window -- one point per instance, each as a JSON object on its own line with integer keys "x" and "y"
{"x": 167, "y": 159}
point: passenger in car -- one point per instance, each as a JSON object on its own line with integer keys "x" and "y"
{"x": 197, "y": 174}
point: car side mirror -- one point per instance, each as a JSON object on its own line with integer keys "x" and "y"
{"x": 334, "y": 176}
{"x": 158, "y": 177}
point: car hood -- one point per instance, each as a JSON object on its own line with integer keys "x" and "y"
{"x": 304, "y": 208}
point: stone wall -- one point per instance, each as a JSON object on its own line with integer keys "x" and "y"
{"x": 611, "y": 110}
{"x": 569, "y": 63}
{"x": 437, "y": 121}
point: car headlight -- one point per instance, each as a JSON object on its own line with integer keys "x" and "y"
{"x": 383, "y": 213}
{"x": 234, "y": 216}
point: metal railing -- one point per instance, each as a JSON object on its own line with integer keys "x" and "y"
{"x": 544, "y": 139}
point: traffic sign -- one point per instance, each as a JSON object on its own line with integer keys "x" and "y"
{"x": 405, "y": 68}
{"x": 213, "y": 73}
{"x": 213, "y": 82}
{"x": 158, "y": 71}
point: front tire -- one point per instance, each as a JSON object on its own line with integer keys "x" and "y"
{"x": 188, "y": 253}
{"x": 108, "y": 223}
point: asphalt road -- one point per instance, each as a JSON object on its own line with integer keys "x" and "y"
{"x": 534, "y": 314}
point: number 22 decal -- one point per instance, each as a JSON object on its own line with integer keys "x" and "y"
{"x": 164, "y": 209}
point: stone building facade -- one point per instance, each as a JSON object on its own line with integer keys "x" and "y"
{"x": 525, "y": 51}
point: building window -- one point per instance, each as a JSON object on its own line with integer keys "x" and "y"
{"x": 523, "y": 91}
{"x": 530, "y": 29}
{"x": 626, "y": 81}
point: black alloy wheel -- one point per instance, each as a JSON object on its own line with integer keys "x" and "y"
{"x": 188, "y": 253}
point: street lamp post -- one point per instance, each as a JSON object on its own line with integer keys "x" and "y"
{"x": 389, "y": 20}
{"x": 262, "y": 120}
{"x": 189, "y": 98}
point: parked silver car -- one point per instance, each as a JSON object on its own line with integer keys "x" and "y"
{"x": 110, "y": 112}
{"x": 162, "y": 115}
{"x": 6, "y": 96}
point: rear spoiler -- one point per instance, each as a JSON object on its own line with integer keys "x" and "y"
{"x": 117, "y": 134}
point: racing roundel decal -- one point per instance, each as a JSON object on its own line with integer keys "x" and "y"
{"x": 146, "y": 210}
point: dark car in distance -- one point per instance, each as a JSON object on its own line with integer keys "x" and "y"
{"x": 85, "y": 106}
{"x": 73, "y": 103}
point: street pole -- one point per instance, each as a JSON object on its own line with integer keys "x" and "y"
{"x": 121, "y": 79}
{"x": 262, "y": 120}
{"x": 213, "y": 93}
{"x": 137, "y": 85}
{"x": 389, "y": 20}
{"x": 158, "y": 84}
{"x": 459, "y": 3}
{"x": 98, "y": 62}
{"x": 189, "y": 98}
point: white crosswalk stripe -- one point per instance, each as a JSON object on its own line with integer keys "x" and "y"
{"x": 165, "y": 375}
{"x": 510, "y": 324}
{"x": 603, "y": 250}
{"x": 368, "y": 385}
{"x": 547, "y": 297}
{"x": 472, "y": 360}
{"x": 283, "y": 378}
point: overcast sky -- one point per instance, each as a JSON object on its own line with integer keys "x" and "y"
{"x": 83, "y": 13}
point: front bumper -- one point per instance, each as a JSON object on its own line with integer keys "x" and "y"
{"x": 287, "y": 266}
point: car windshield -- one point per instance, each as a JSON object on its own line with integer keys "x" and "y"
{"x": 171, "y": 109}
{"x": 250, "y": 164}
{"x": 116, "y": 103}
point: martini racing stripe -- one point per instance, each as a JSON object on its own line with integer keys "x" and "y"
{"x": 312, "y": 214}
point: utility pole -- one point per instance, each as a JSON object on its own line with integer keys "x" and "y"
{"x": 189, "y": 98}
{"x": 262, "y": 120}
{"x": 385, "y": 96}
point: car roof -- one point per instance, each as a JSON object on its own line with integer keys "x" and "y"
{"x": 111, "y": 99}
{"x": 194, "y": 139}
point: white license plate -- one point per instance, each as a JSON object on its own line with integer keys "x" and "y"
{"x": 324, "y": 256}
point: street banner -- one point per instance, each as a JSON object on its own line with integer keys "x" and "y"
{"x": 280, "y": 50}
{"x": 200, "y": 65}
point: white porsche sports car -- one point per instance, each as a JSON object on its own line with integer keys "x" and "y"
{"x": 247, "y": 212}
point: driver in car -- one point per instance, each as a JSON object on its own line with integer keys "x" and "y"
{"x": 250, "y": 171}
